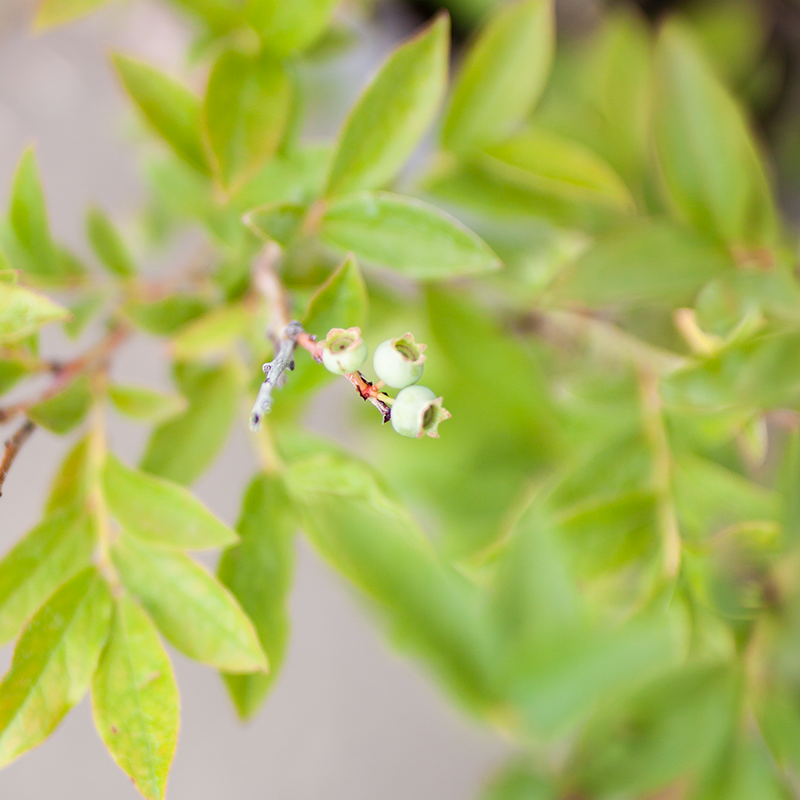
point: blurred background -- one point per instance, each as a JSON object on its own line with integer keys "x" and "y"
{"x": 348, "y": 719}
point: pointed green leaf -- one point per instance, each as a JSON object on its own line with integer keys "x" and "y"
{"x": 148, "y": 405}
{"x": 374, "y": 542}
{"x": 710, "y": 165}
{"x": 53, "y": 663}
{"x": 258, "y": 572}
{"x": 245, "y": 111}
{"x": 11, "y": 372}
{"x": 71, "y": 483}
{"x": 649, "y": 261}
{"x": 28, "y": 216}
{"x": 280, "y": 222}
{"x": 289, "y": 27}
{"x": 190, "y": 607}
{"x": 182, "y": 448}
{"x": 545, "y": 162}
{"x": 392, "y": 114}
{"x": 67, "y": 409}
{"x": 160, "y": 512}
{"x": 502, "y": 77}
{"x": 108, "y": 245}
{"x": 59, "y": 12}
{"x": 23, "y": 312}
{"x": 406, "y": 234}
{"x": 47, "y": 556}
{"x": 171, "y": 109}
{"x": 135, "y": 700}
{"x": 212, "y": 333}
{"x": 166, "y": 316}
{"x": 82, "y": 312}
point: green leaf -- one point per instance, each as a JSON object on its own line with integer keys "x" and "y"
{"x": 108, "y": 245}
{"x": 170, "y": 108}
{"x": 11, "y": 373}
{"x": 166, "y": 316}
{"x": 182, "y": 448}
{"x": 53, "y": 663}
{"x": 519, "y": 782}
{"x": 391, "y": 115}
{"x": 278, "y": 221}
{"x": 502, "y": 77}
{"x": 289, "y": 27}
{"x": 58, "y": 12}
{"x": 160, "y": 512}
{"x": 83, "y": 312}
{"x": 244, "y": 113}
{"x": 135, "y": 700}
{"x": 23, "y": 312}
{"x": 406, "y": 234}
{"x": 212, "y": 333}
{"x": 145, "y": 404}
{"x": 46, "y": 557}
{"x": 711, "y": 168}
{"x": 258, "y": 572}
{"x": 28, "y": 216}
{"x": 550, "y": 164}
{"x": 66, "y": 410}
{"x": 190, "y": 607}
{"x": 71, "y": 485}
{"x": 377, "y": 546}
{"x": 647, "y": 261}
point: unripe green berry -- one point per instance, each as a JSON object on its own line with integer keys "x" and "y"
{"x": 399, "y": 362}
{"x": 343, "y": 351}
{"x": 416, "y": 411}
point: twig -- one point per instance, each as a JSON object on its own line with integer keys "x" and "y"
{"x": 287, "y": 336}
{"x": 94, "y": 358}
{"x": 12, "y": 448}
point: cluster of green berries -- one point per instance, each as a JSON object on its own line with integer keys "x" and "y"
{"x": 398, "y": 363}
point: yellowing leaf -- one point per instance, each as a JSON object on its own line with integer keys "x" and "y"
{"x": 23, "y": 312}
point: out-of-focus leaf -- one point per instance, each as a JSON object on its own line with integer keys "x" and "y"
{"x": 182, "y": 448}
{"x": 652, "y": 261}
{"x": 676, "y": 725}
{"x": 406, "y": 234}
{"x": 502, "y": 77}
{"x": 258, "y": 572}
{"x": 377, "y": 546}
{"x": 49, "y": 555}
{"x": 710, "y": 165}
{"x": 165, "y": 317}
{"x": 289, "y": 27}
{"x": 189, "y": 606}
{"x": 23, "y": 312}
{"x": 70, "y": 485}
{"x": 778, "y": 712}
{"x": 789, "y": 486}
{"x": 244, "y": 113}
{"x": 212, "y": 333}
{"x": 28, "y": 214}
{"x": 391, "y": 115}
{"x": 108, "y": 245}
{"x": 59, "y": 12}
{"x": 135, "y": 700}
{"x": 160, "y": 512}
{"x": 11, "y": 373}
{"x": 278, "y": 221}
{"x": 66, "y": 410}
{"x": 518, "y": 782}
{"x": 547, "y": 163}
{"x": 83, "y": 312}
{"x": 171, "y": 109}
{"x": 145, "y": 404}
{"x": 53, "y": 663}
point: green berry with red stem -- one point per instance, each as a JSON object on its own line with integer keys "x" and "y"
{"x": 343, "y": 351}
{"x": 399, "y": 362}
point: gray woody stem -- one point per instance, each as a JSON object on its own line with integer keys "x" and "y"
{"x": 274, "y": 373}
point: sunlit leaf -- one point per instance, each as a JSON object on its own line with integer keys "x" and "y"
{"x": 53, "y": 663}
{"x": 288, "y": 27}
{"x": 189, "y": 606}
{"x": 143, "y": 404}
{"x": 406, "y": 234}
{"x": 391, "y": 115}
{"x": 108, "y": 245}
{"x": 23, "y": 312}
{"x": 135, "y": 700}
{"x": 212, "y": 333}
{"x": 165, "y": 317}
{"x": 59, "y": 12}
{"x": 71, "y": 483}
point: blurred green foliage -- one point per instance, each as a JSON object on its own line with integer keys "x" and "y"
{"x": 599, "y": 557}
